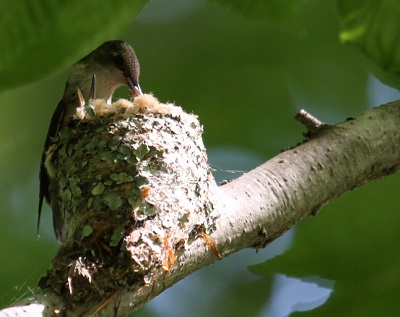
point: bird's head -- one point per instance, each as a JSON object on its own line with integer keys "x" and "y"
{"x": 114, "y": 64}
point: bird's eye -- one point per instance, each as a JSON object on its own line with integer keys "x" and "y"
{"x": 118, "y": 61}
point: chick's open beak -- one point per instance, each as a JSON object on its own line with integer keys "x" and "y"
{"x": 134, "y": 88}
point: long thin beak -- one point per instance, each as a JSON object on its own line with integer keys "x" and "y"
{"x": 134, "y": 88}
{"x": 92, "y": 95}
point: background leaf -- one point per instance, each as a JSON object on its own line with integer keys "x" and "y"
{"x": 372, "y": 26}
{"x": 39, "y": 37}
{"x": 283, "y": 14}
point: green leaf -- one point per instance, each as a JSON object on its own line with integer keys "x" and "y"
{"x": 90, "y": 110}
{"x": 125, "y": 150}
{"x": 284, "y": 14}
{"x": 113, "y": 200}
{"x": 87, "y": 231}
{"x": 147, "y": 209}
{"x": 39, "y": 37}
{"x": 132, "y": 201}
{"x": 122, "y": 178}
{"x": 98, "y": 189}
{"x": 116, "y": 236}
{"x": 67, "y": 194}
{"x": 373, "y": 26}
{"x": 141, "y": 151}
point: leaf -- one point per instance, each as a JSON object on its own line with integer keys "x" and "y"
{"x": 147, "y": 209}
{"x": 132, "y": 201}
{"x": 67, "y": 194}
{"x": 374, "y": 27}
{"x": 284, "y": 14}
{"x": 87, "y": 231}
{"x": 124, "y": 178}
{"x": 125, "y": 150}
{"x": 39, "y": 37}
{"x": 121, "y": 178}
{"x": 90, "y": 110}
{"x": 117, "y": 235}
{"x": 141, "y": 151}
{"x": 98, "y": 189}
{"x": 113, "y": 200}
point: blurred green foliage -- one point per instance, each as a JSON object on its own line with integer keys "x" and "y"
{"x": 373, "y": 27}
{"x": 43, "y": 36}
{"x": 245, "y": 67}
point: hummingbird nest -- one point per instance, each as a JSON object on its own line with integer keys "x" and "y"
{"x": 135, "y": 190}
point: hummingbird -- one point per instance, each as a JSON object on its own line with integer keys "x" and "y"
{"x": 97, "y": 75}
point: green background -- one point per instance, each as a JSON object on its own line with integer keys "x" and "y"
{"x": 246, "y": 68}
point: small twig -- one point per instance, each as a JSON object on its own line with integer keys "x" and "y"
{"x": 311, "y": 123}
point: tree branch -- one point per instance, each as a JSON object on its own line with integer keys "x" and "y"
{"x": 250, "y": 211}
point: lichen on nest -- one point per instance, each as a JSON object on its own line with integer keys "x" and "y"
{"x": 135, "y": 189}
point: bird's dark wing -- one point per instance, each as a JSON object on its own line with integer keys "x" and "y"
{"x": 57, "y": 121}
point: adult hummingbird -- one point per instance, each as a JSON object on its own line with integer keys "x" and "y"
{"x": 97, "y": 75}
